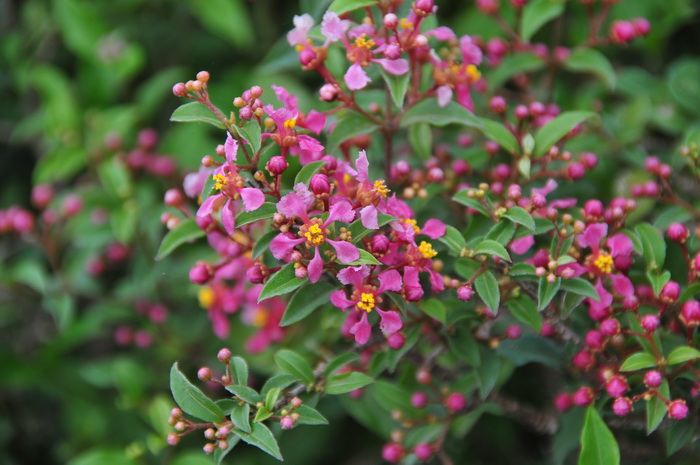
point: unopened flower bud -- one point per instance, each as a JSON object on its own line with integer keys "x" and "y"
{"x": 465, "y": 292}
{"x": 320, "y": 184}
{"x": 514, "y": 332}
{"x": 287, "y": 423}
{"x": 616, "y": 386}
{"x": 204, "y": 374}
{"x": 690, "y": 314}
{"x": 622, "y": 406}
{"x": 379, "y": 245}
{"x": 255, "y": 273}
{"x": 173, "y": 439}
{"x": 455, "y": 402}
{"x": 610, "y": 327}
{"x": 677, "y": 233}
{"x": 174, "y": 197}
{"x": 224, "y": 355}
{"x": 277, "y": 165}
{"x": 677, "y": 409}
{"x": 179, "y": 90}
{"x": 201, "y": 273}
{"x": 396, "y": 341}
{"x": 583, "y": 397}
{"x": 393, "y": 453}
{"x": 563, "y": 402}
{"x": 419, "y": 399}
{"x": 391, "y": 21}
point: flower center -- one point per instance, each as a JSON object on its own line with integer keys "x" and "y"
{"x": 315, "y": 234}
{"x": 414, "y": 224}
{"x": 380, "y": 187}
{"x": 426, "y": 249}
{"x": 366, "y": 302}
{"x": 364, "y": 42}
{"x": 206, "y": 297}
{"x": 405, "y": 23}
{"x": 260, "y": 318}
{"x": 604, "y": 262}
{"x": 290, "y": 123}
{"x": 473, "y": 73}
{"x": 220, "y": 180}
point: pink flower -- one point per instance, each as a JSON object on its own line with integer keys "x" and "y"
{"x": 230, "y": 186}
{"x": 314, "y": 233}
{"x": 366, "y": 298}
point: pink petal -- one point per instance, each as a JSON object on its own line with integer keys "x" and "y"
{"x": 563, "y": 203}
{"x": 362, "y": 166}
{"x": 592, "y": 235}
{"x": 410, "y": 276}
{"x": 471, "y": 53}
{"x": 340, "y": 211}
{"x": 230, "y": 149}
{"x": 389, "y": 281}
{"x": 219, "y": 323}
{"x": 315, "y": 267}
{"x": 522, "y": 245}
{"x": 332, "y": 27}
{"x": 353, "y": 275}
{"x": 309, "y": 143}
{"x": 620, "y": 244}
{"x": 390, "y": 322}
{"x": 442, "y": 33}
{"x": 437, "y": 282}
{"x": 434, "y": 228}
{"x": 464, "y": 97}
{"x": 396, "y": 67}
{"x": 356, "y": 78}
{"x": 362, "y": 330}
{"x": 346, "y": 251}
{"x": 302, "y": 24}
{"x": 290, "y": 101}
{"x": 548, "y": 187}
{"x": 228, "y": 217}
{"x": 369, "y": 216}
{"x": 444, "y": 95}
{"x": 315, "y": 122}
{"x": 622, "y": 285}
{"x": 210, "y": 204}
{"x": 340, "y": 300}
{"x": 282, "y": 245}
{"x": 292, "y": 205}
{"x": 578, "y": 269}
{"x": 252, "y": 198}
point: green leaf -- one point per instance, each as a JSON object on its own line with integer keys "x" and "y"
{"x": 239, "y": 369}
{"x": 263, "y": 243}
{"x": 343, "y": 6}
{"x": 552, "y": 132}
{"x": 264, "y": 212}
{"x": 678, "y": 436}
{"x": 208, "y": 188}
{"x": 304, "y": 301}
{"x": 546, "y": 292}
{"x": 339, "y": 362}
{"x": 280, "y": 283}
{"x": 262, "y": 414}
{"x": 491, "y": 248}
{"x": 244, "y": 393}
{"x": 306, "y": 173}
{"x": 435, "y": 309}
{"x": 294, "y": 364}
{"x": 598, "y": 445}
{"x": 251, "y": 133}
{"x": 580, "y": 286}
{"x": 262, "y": 438}
{"x": 488, "y": 371}
{"x": 473, "y": 203}
{"x": 358, "y": 231}
{"x": 366, "y": 258}
{"x": 228, "y": 19}
{"x": 115, "y": 178}
{"x": 271, "y": 398}
{"x": 428, "y": 111}
{"x": 453, "y": 239}
{"x": 196, "y": 112}
{"x": 310, "y": 416}
{"x": 656, "y": 408}
{"x": 522, "y": 269}
{"x": 653, "y": 245}
{"x": 512, "y": 65}
{"x": 240, "y": 416}
{"x": 520, "y": 216}
{"x": 186, "y": 231}
{"x": 524, "y": 309}
{"x": 346, "y": 382}
{"x": 658, "y": 281}
{"x": 191, "y": 400}
{"x": 495, "y": 130}
{"x": 638, "y": 361}
{"x": 420, "y": 136}
{"x": 537, "y": 13}
{"x": 397, "y": 86}
{"x": 350, "y": 125}
{"x": 281, "y": 380}
{"x": 682, "y": 355}
{"x": 502, "y": 232}
{"x": 487, "y": 287}
{"x": 589, "y": 60}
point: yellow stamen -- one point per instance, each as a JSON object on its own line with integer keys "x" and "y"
{"x": 366, "y": 302}
{"x": 380, "y": 187}
{"x": 604, "y": 262}
{"x": 405, "y": 23}
{"x": 315, "y": 235}
{"x": 206, "y": 297}
{"x": 473, "y": 73}
{"x": 346, "y": 178}
{"x": 426, "y": 249}
{"x": 290, "y": 123}
{"x": 364, "y": 42}
{"x": 414, "y": 225}
{"x": 220, "y": 181}
{"x": 299, "y": 48}
{"x": 260, "y": 318}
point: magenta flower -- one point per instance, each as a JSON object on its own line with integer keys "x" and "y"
{"x": 286, "y": 135}
{"x": 366, "y": 298}
{"x": 314, "y": 121}
{"x": 231, "y": 188}
{"x": 361, "y": 52}
{"x": 314, "y": 233}
{"x": 460, "y": 75}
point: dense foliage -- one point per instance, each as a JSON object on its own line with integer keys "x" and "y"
{"x": 460, "y": 233}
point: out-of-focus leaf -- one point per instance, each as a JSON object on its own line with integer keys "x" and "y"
{"x": 228, "y": 19}
{"x": 556, "y": 129}
{"x": 186, "y": 231}
{"x": 537, "y": 13}
{"x": 428, "y": 111}
{"x": 589, "y": 60}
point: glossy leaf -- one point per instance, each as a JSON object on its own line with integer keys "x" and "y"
{"x": 525, "y": 310}
{"x": 339, "y": 362}
{"x": 653, "y": 245}
{"x": 346, "y": 382}
{"x": 244, "y": 393}
{"x": 428, "y": 111}
{"x": 350, "y": 125}
{"x": 598, "y": 445}
{"x": 520, "y": 216}
{"x": 473, "y": 203}
{"x": 343, "y": 6}
{"x": 310, "y": 416}
{"x": 537, "y": 13}
{"x": 307, "y": 171}
{"x": 492, "y": 248}
{"x": 264, "y": 212}
{"x": 515, "y": 64}
{"x": 305, "y": 300}
{"x": 262, "y": 438}
{"x": 454, "y": 240}
{"x": 682, "y": 355}
{"x": 280, "y": 283}
{"x": 580, "y": 286}
{"x": 294, "y": 364}
{"x": 196, "y": 112}
{"x": 487, "y": 287}
{"x": 251, "y": 133}
{"x": 638, "y": 361}
{"x": 191, "y": 399}
{"x": 185, "y": 232}
{"x": 496, "y": 131}
{"x": 657, "y": 408}
{"x": 589, "y": 60}
{"x": 398, "y": 85}
{"x": 240, "y": 416}
{"x": 239, "y": 369}
{"x": 263, "y": 243}
{"x": 546, "y": 292}
{"x": 556, "y": 129}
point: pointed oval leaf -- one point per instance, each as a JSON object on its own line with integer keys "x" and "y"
{"x": 487, "y": 287}
{"x": 186, "y": 231}
{"x": 556, "y": 129}
{"x": 191, "y": 400}
{"x": 346, "y": 382}
{"x": 196, "y": 112}
{"x": 305, "y": 300}
{"x": 546, "y": 292}
{"x": 520, "y": 216}
{"x": 537, "y": 13}
{"x": 682, "y": 355}
{"x": 282, "y": 282}
{"x": 294, "y": 364}
{"x": 264, "y": 212}
{"x": 598, "y": 445}
{"x": 428, "y": 111}
{"x": 580, "y": 286}
{"x": 310, "y": 416}
{"x": 262, "y": 438}
{"x": 638, "y": 361}
{"x": 495, "y": 130}
{"x": 492, "y": 248}
{"x": 589, "y": 60}
{"x": 306, "y": 173}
